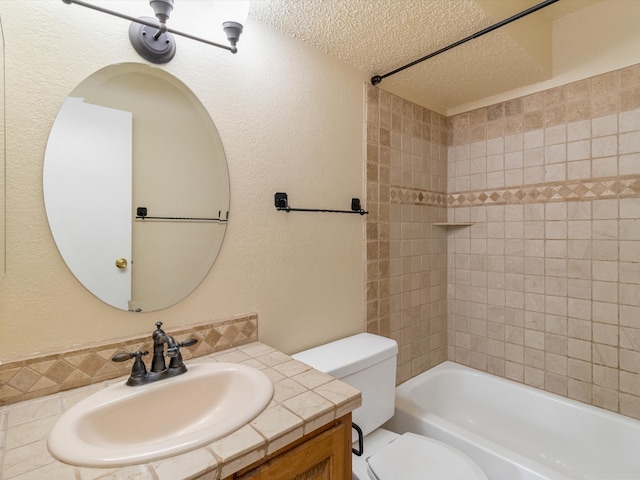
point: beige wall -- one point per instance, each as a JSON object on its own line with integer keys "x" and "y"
{"x": 290, "y": 119}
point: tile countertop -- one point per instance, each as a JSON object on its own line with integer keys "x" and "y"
{"x": 304, "y": 399}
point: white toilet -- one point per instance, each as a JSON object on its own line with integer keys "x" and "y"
{"x": 368, "y": 363}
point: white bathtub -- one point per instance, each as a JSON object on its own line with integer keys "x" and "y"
{"x": 514, "y": 431}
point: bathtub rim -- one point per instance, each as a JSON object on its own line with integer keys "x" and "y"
{"x": 449, "y": 365}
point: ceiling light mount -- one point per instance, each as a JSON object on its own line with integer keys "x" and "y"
{"x": 153, "y": 40}
{"x": 152, "y": 43}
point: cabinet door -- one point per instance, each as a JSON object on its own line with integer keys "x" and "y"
{"x": 326, "y": 456}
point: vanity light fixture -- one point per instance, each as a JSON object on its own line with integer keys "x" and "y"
{"x": 153, "y": 40}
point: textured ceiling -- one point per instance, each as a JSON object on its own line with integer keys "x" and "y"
{"x": 378, "y": 36}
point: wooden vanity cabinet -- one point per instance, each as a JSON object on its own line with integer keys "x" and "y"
{"x": 324, "y": 454}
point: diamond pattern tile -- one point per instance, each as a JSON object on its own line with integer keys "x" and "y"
{"x": 27, "y": 379}
{"x": 628, "y": 186}
{"x": 59, "y": 372}
{"x": 404, "y": 195}
{"x": 91, "y": 365}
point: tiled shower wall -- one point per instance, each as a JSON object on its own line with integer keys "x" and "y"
{"x": 406, "y": 253}
{"x": 544, "y": 286}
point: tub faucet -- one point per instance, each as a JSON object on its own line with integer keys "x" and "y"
{"x": 159, "y": 370}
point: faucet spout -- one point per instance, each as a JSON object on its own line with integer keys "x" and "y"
{"x": 159, "y": 370}
{"x": 160, "y": 338}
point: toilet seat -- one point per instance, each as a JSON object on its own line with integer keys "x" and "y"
{"x": 415, "y": 457}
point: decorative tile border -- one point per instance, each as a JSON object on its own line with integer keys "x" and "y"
{"x": 417, "y": 196}
{"x": 26, "y": 379}
{"x": 593, "y": 189}
{"x": 581, "y": 190}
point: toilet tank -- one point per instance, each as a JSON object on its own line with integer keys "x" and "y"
{"x": 366, "y": 362}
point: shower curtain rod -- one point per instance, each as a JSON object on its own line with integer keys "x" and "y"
{"x": 376, "y": 79}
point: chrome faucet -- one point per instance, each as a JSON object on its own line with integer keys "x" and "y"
{"x": 159, "y": 369}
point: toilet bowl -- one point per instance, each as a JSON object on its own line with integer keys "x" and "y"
{"x": 390, "y": 456}
{"x": 368, "y": 363}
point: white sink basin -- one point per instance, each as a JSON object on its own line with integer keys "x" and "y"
{"x": 123, "y": 425}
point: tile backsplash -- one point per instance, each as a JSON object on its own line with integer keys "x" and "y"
{"x": 35, "y": 377}
{"x": 406, "y": 253}
{"x": 544, "y": 286}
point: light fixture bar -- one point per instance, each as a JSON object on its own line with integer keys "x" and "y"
{"x": 150, "y": 23}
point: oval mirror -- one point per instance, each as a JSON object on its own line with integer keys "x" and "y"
{"x": 136, "y": 187}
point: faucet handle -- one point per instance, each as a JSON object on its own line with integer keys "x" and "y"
{"x": 188, "y": 342}
{"x": 123, "y": 357}
{"x": 138, "y": 371}
{"x": 174, "y": 351}
{"x": 176, "y": 365}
